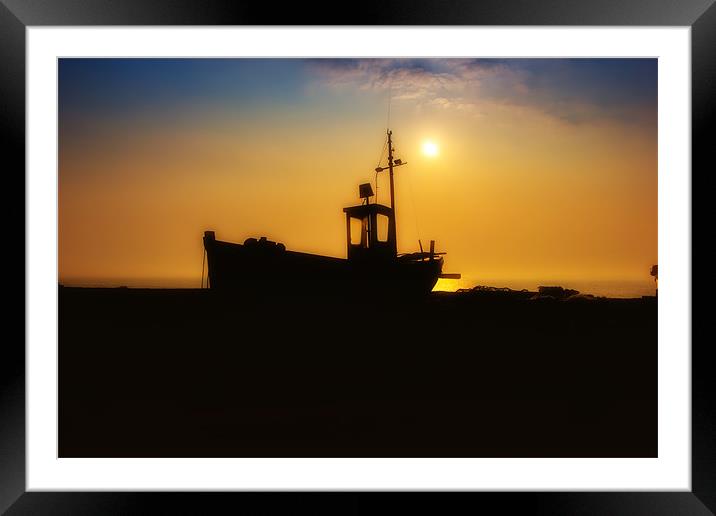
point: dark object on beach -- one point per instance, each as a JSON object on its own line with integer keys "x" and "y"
{"x": 372, "y": 265}
{"x": 581, "y": 298}
{"x": 655, "y": 273}
{"x": 496, "y": 293}
{"x": 559, "y": 293}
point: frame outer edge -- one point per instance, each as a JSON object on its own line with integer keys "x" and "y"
{"x": 12, "y": 354}
{"x": 371, "y": 12}
{"x": 703, "y": 118}
{"x": 12, "y": 124}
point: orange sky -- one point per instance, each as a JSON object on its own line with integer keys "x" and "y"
{"x": 543, "y": 172}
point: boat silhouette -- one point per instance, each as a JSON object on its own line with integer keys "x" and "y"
{"x": 372, "y": 263}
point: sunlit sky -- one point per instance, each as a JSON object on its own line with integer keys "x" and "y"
{"x": 522, "y": 170}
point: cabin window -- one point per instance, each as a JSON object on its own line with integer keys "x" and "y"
{"x": 382, "y": 222}
{"x": 357, "y": 229}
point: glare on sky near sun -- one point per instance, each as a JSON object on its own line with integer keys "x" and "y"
{"x": 430, "y": 149}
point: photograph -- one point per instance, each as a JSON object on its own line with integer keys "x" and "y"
{"x": 357, "y": 257}
{"x": 403, "y": 253}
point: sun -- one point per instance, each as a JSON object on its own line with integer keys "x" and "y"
{"x": 430, "y": 149}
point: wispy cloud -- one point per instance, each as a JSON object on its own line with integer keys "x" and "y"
{"x": 575, "y": 91}
{"x": 406, "y": 79}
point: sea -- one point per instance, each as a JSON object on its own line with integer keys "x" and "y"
{"x": 600, "y": 288}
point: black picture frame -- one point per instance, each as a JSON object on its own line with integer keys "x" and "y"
{"x": 16, "y": 15}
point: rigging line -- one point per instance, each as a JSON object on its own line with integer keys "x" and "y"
{"x": 412, "y": 201}
{"x": 380, "y": 158}
{"x": 376, "y": 187}
{"x": 203, "y": 259}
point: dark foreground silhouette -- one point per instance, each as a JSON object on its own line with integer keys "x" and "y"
{"x": 192, "y": 373}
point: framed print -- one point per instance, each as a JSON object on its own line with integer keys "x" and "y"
{"x": 421, "y": 257}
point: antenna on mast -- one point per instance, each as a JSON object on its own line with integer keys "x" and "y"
{"x": 387, "y": 126}
{"x": 390, "y": 98}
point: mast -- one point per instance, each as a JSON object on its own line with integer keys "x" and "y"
{"x": 390, "y": 167}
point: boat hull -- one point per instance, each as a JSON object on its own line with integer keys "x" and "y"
{"x": 262, "y": 266}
